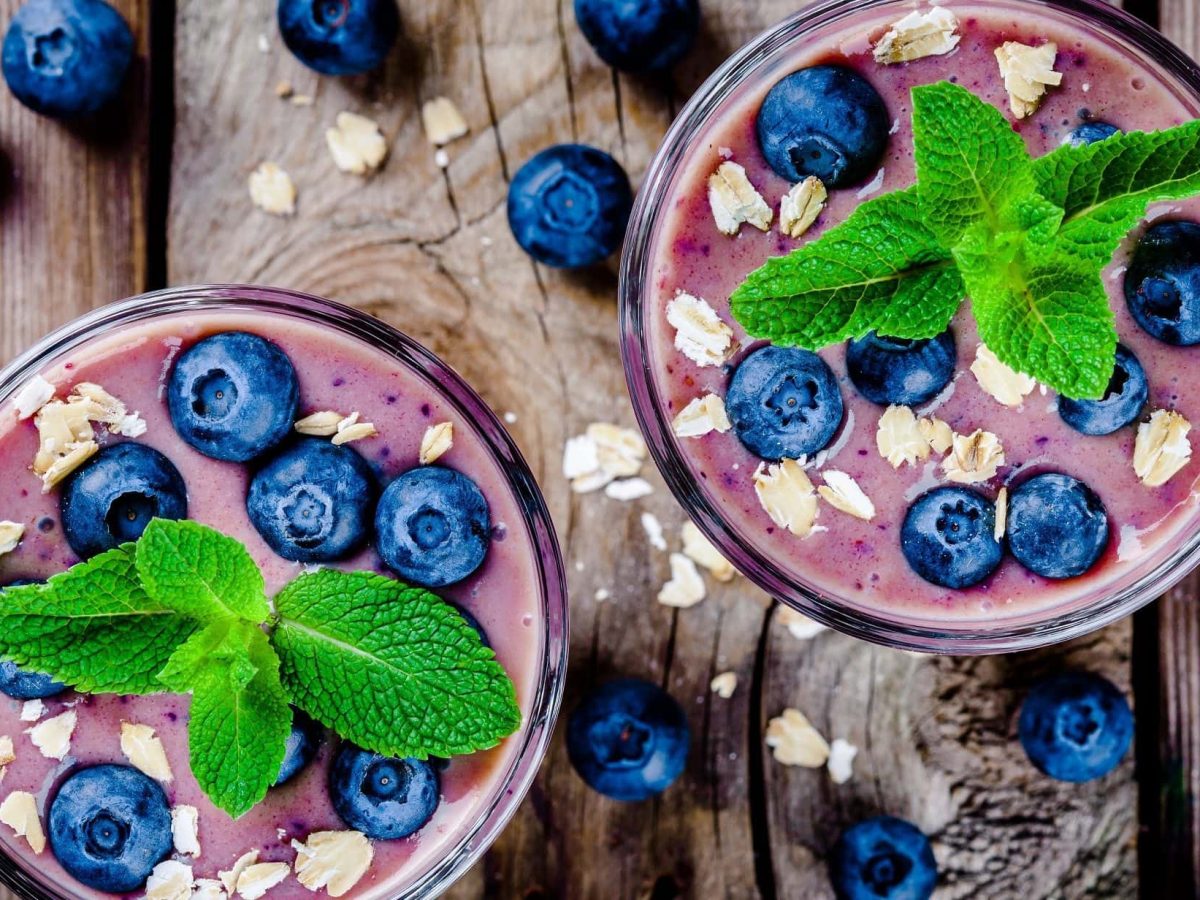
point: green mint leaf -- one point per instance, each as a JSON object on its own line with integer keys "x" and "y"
{"x": 883, "y": 266}
{"x": 1105, "y": 187}
{"x": 239, "y": 720}
{"x": 93, "y": 627}
{"x": 392, "y": 668}
{"x": 971, "y": 166}
{"x": 200, "y": 572}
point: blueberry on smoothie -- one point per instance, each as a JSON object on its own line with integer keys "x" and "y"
{"x": 949, "y": 539}
{"x": 233, "y": 396}
{"x": 1057, "y": 526}
{"x": 628, "y": 739}
{"x": 312, "y": 502}
{"x": 569, "y": 205}
{"x": 339, "y": 37}
{"x": 1090, "y": 133}
{"x": 889, "y": 370}
{"x": 883, "y": 857}
{"x": 433, "y": 526}
{"x": 19, "y": 684}
{"x": 109, "y": 826}
{"x": 1162, "y": 283}
{"x": 1075, "y": 726}
{"x": 1121, "y": 404}
{"x": 826, "y": 121}
{"x": 302, "y": 745}
{"x": 66, "y": 58}
{"x": 111, "y": 498}
{"x": 639, "y": 35}
{"x": 474, "y": 623}
{"x": 784, "y": 403}
{"x": 383, "y": 797}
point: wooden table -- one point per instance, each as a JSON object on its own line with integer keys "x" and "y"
{"x": 157, "y": 195}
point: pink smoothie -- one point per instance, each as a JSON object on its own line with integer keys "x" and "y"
{"x": 860, "y": 563}
{"x": 336, "y": 372}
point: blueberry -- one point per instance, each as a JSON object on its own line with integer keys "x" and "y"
{"x": 569, "y": 205}
{"x": 383, "y": 797}
{"x": 1162, "y": 284}
{"x": 433, "y": 526}
{"x": 66, "y": 58}
{"x": 784, "y": 403}
{"x": 1057, "y": 526}
{"x": 1075, "y": 726}
{"x": 109, "y": 826}
{"x": 639, "y": 35}
{"x": 473, "y": 622}
{"x": 1123, "y": 400}
{"x": 826, "y": 121}
{"x": 111, "y": 498}
{"x": 302, "y": 745}
{"x": 312, "y": 501}
{"x": 948, "y": 537}
{"x": 889, "y": 370}
{"x": 883, "y": 857}
{"x": 339, "y": 37}
{"x": 22, "y": 685}
{"x": 1090, "y": 133}
{"x": 233, "y": 396}
{"x": 628, "y": 739}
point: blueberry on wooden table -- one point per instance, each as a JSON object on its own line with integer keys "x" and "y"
{"x": 888, "y": 370}
{"x": 339, "y": 37}
{"x": 112, "y": 497}
{"x": 826, "y": 121}
{"x": 383, "y": 797}
{"x": 109, "y": 826}
{"x": 1075, "y": 726}
{"x": 1126, "y": 394}
{"x": 1057, "y": 525}
{"x": 66, "y": 58}
{"x": 948, "y": 537}
{"x": 1090, "y": 133}
{"x": 19, "y": 684}
{"x": 639, "y": 35}
{"x": 569, "y": 206}
{"x": 628, "y": 739}
{"x": 883, "y": 857}
{"x": 233, "y": 396}
{"x": 302, "y": 744}
{"x": 1162, "y": 283}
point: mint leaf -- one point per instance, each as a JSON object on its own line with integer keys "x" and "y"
{"x": 971, "y": 166}
{"x": 93, "y": 627}
{"x": 1105, "y": 187}
{"x": 200, "y": 572}
{"x": 240, "y": 720}
{"x": 392, "y": 668}
{"x": 882, "y": 265}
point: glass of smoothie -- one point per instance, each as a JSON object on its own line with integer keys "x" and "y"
{"x": 733, "y": 186}
{"x": 351, "y": 370}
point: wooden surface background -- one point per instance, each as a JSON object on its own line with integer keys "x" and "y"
{"x": 157, "y": 195}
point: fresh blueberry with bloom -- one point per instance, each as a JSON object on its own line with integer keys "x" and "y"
{"x": 1057, "y": 525}
{"x": 1162, "y": 283}
{"x": 1121, "y": 404}
{"x": 111, "y": 498}
{"x": 1090, "y": 133}
{"x": 628, "y": 739}
{"x": 302, "y": 746}
{"x": 883, "y": 857}
{"x": 784, "y": 403}
{"x": 948, "y": 537}
{"x": 825, "y": 121}
{"x": 233, "y": 396}
{"x": 889, "y": 370}
{"x": 19, "y": 684}
{"x": 383, "y": 797}
{"x": 639, "y": 35}
{"x": 1075, "y": 726}
{"x": 569, "y": 205}
{"x": 339, "y": 37}
{"x": 433, "y": 526}
{"x": 312, "y": 502}
{"x": 66, "y": 58}
{"x": 109, "y": 826}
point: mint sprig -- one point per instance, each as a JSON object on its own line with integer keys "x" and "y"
{"x": 1025, "y": 239}
{"x": 388, "y": 666}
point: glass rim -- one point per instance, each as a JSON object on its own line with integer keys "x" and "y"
{"x": 510, "y": 790}
{"x": 973, "y": 638}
